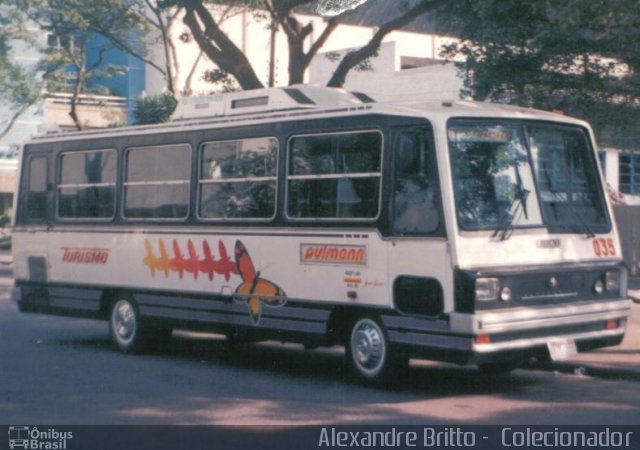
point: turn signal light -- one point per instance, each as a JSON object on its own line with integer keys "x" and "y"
{"x": 483, "y": 339}
{"x": 611, "y": 324}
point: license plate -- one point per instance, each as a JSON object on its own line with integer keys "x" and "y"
{"x": 562, "y": 349}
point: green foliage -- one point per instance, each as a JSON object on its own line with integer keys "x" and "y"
{"x": 63, "y": 65}
{"x": 363, "y": 66}
{"x": 224, "y": 81}
{"x": 578, "y": 56}
{"x": 154, "y": 109}
{"x": 20, "y": 86}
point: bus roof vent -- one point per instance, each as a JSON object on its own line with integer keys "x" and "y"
{"x": 264, "y": 101}
{"x": 364, "y": 98}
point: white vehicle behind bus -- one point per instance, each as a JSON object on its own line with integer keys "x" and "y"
{"x": 455, "y": 231}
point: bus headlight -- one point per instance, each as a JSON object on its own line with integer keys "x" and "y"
{"x": 612, "y": 280}
{"x": 598, "y": 287}
{"x": 487, "y": 289}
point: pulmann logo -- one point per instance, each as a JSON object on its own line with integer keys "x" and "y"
{"x": 354, "y": 255}
{"x": 33, "y": 438}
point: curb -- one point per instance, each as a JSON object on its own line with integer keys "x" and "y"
{"x": 589, "y": 370}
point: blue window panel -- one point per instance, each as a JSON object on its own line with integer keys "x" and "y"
{"x": 629, "y": 173}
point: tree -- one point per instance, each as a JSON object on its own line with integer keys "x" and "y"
{"x": 578, "y": 56}
{"x": 154, "y": 109}
{"x": 149, "y": 23}
{"x": 353, "y": 58}
{"x": 63, "y": 64}
{"x": 19, "y": 88}
{"x": 222, "y": 51}
{"x": 215, "y": 43}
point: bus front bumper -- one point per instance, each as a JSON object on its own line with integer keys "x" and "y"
{"x": 589, "y": 324}
{"x": 510, "y": 334}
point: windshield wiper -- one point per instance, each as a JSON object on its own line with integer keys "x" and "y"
{"x": 585, "y": 227}
{"x": 518, "y": 205}
{"x": 508, "y": 221}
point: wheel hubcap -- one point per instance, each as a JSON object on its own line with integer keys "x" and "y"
{"x": 367, "y": 343}
{"x": 124, "y": 321}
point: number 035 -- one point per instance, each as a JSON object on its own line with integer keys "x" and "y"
{"x": 604, "y": 247}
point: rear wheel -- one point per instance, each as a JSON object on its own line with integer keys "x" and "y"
{"x": 369, "y": 354}
{"x": 130, "y": 333}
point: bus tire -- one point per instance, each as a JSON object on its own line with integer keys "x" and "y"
{"x": 369, "y": 355}
{"x": 129, "y": 333}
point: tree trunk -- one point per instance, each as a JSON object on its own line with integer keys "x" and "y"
{"x": 296, "y": 35}
{"x": 77, "y": 90}
{"x": 217, "y": 45}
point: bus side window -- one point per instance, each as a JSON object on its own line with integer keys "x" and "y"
{"x": 37, "y": 190}
{"x": 335, "y": 176}
{"x": 157, "y": 180}
{"x": 416, "y": 209}
{"x": 87, "y": 184}
{"x": 238, "y": 179}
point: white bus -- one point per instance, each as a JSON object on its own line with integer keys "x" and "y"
{"x": 455, "y": 231}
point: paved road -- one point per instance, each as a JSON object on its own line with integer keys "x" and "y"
{"x": 64, "y": 372}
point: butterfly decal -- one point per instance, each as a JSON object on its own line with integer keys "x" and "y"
{"x": 254, "y": 290}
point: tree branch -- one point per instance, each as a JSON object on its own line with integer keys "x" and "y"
{"x": 332, "y": 24}
{"x": 14, "y": 118}
{"x": 299, "y": 60}
{"x": 167, "y": 46}
{"x": 186, "y": 90}
{"x": 99, "y": 61}
{"x": 122, "y": 45}
{"x": 354, "y": 57}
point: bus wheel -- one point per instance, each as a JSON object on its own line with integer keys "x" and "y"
{"x": 125, "y": 326}
{"x": 129, "y": 333}
{"x": 368, "y": 353}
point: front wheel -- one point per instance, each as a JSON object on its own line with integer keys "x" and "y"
{"x": 369, "y": 355}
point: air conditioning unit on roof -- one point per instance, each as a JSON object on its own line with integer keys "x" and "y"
{"x": 266, "y": 100}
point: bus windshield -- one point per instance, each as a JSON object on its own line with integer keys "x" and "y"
{"x": 512, "y": 174}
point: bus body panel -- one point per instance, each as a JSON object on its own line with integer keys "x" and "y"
{"x": 305, "y": 266}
